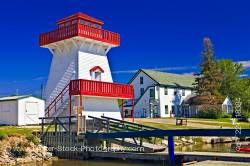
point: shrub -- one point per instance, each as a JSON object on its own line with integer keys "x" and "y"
{"x": 225, "y": 115}
{"x": 3, "y": 136}
{"x": 246, "y": 114}
{"x": 18, "y": 151}
{"x": 33, "y": 139}
{"x": 212, "y": 113}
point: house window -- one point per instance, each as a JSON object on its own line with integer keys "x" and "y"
{"x": 165, "y": 91}
{"x": 175, "y": 91}
{"x": 151, "y": 93}
{"x": 166, "y": 109}
{"x": 97, "y": 76}
{"x": 141, "y": 80}
{"x": 183, "y": 92}
{"x": 142, "y": 91}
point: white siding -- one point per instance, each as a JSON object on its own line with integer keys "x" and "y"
{"x": 8, "y": 112}
{"x": 170, "y": 99}
{"x": 147, "y": 81}
{"x": 142, "y": 105}
{"x": 87, "y": 61}
{"x": 29, "y": 110}
{"x": 75, "y": 63}
{"x": 62, "y": 70}
{"x": 14, "y": 112}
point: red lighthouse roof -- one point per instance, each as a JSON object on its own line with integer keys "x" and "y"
{"x": 80, "y": 15}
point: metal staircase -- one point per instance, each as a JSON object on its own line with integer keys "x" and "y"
{"x": 60, "y": 103}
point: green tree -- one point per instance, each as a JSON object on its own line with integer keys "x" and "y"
{"x": 232, "y": 85}
{"x": 207, "y": 81}
{"x": 231, "y": 82}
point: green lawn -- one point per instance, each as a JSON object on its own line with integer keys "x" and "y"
{"x": 225, "y": 122}
{"x": 13, "y": 130}
{"x": 194, "y": 123}
{"x": 166, "y": 126}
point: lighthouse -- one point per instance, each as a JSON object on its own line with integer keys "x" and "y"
{"x": 80, "y": 75}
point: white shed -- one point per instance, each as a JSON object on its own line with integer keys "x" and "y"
{"x": 21, "y": 110}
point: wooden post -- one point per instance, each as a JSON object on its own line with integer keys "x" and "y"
{"x": 70, "y": 112}
{"x": 122, "y": 109}
{"x": 56, "y": 124}
{"x": 42, "y": 126}
{"x": 133, "y": 107}
{"x": 171, "y": 156}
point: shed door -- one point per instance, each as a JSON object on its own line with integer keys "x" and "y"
{"x": 31, "y": 112}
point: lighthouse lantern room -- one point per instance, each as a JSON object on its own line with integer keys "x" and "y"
{"x": 80, "y": 75}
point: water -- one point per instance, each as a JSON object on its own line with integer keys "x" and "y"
{"x": 223, "y": 147}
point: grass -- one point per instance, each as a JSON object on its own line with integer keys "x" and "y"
{"x": 213, "y": 120}
{"x": 243, "y": 125}
{"x": 193, "y": 123}
{"x": 13, "y": 130}
{"x": 165, "y": 126}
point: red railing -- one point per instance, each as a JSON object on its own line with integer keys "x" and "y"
{"x": 82, "y": 31}
{"x": 57, "y": 102}
{"x": 104, "y": 89}
{"x": 89, "y": 88}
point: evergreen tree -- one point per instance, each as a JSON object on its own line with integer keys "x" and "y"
{"x": 207, "y": 82}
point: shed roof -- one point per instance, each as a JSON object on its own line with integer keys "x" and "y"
{"x": 10, "y": 98}
{"x": 170, "y": 79}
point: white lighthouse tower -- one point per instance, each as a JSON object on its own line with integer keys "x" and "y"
{"x": 80, "y": 75}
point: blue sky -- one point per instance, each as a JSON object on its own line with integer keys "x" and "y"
{"x": 160, "y": 34}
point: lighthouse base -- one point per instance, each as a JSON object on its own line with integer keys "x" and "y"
{"x": 93, "y": 106}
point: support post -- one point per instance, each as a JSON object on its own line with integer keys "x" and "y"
{"x": 70, "y": 112}
{"x": 42, "y": 126}
{"x": 70, "y": 105}
{"x": 171, "y": 156}
{"x": 56, "y": 124}
{"x": 80, "y": 100}
{"x": 122, "y": 109}
{"x": 133, "y": 107}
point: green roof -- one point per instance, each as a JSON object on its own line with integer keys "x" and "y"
{"x": 170, "y": 79}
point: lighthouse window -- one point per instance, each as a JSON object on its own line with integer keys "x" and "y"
{"x": 61, "y": 25}
{"x": 74, "y": 21}
{"x": 67, "y": 24}
{"x": 98, "y": 76}
{"x": 82, "y": 21}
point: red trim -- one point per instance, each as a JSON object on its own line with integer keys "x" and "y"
{"x": 102, "y": 89}
{"x": 81, "y": 31}
{"x": 91, "y": 88}
{"x": 96, "y": 68}
{"x": 80, "y": 15}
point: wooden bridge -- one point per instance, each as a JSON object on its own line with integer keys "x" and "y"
{"x": 109, "y": 129}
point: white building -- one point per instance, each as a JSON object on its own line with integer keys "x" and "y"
{"x": 21, "y": 110}
{"x": 80, "y": 74}
{"x": 159, "y": 94}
